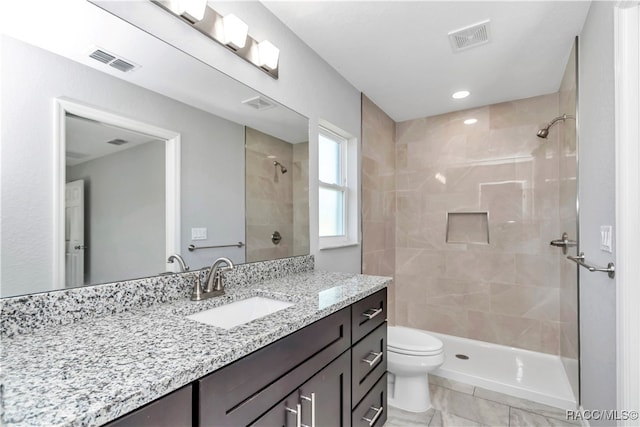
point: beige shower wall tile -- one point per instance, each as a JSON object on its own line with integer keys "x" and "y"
{"x": 538, "y": 270}
{"x": 480, "y": 266}
{"x": 446, "y": 320}
{"x": 525, "y": 301}
{"x": 420, "y": 262}
{"x": 537, "y": 109}
{"x": 468, "y": 177}
{"x": 550, "y": 337}
{"x": 459, "y": 293}
{"x": 506, "y": 330}
{"x": 374, "y": 236}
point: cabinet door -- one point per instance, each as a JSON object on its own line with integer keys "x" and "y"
{"x": 325, "y": 398}
{"x": 284, "y": 414}
{"x": 172, "y": 410}
{"x": 323, "y": 401}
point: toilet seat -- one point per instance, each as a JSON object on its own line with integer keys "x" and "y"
{"x": 412, "y": 342}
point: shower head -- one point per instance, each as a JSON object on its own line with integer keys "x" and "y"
{"x": 283, "y": 170}
{"x": 544, "y": 132}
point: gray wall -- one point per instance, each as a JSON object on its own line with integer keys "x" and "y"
{"x": 212, "y": 153}
{"x": 597, "y": 207}
{"x": 124, "y": 213}
{"x": 307, "y": 84}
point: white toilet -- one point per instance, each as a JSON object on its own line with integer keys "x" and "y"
{"x": 411, "y": 355}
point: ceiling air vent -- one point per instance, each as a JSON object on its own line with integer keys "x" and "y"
{"x": 260, "y": 103}
{"x": 117, "y": 141}
{"x": 112, "y": 60}
{"x": 471, "y": 36}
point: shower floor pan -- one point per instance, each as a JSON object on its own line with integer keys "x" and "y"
{"x": 538, "y": 377}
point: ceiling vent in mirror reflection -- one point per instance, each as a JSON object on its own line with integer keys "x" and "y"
{"x": 117, "y": 141}
{"x": 471, "y": 36}
{"x": 119, "y": 63}
{"x": 260, "y": 103}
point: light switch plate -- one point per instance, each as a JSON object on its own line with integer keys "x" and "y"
{"x": 606, "y": 232}
{"x": 199, "y": 233}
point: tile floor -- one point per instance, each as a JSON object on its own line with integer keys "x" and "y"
{"x": 461, "y": 405}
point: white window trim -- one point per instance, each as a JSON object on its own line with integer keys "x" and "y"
{"x": 349, "y": 167}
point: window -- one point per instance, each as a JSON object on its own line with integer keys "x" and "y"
{"x": 337, "y": 199}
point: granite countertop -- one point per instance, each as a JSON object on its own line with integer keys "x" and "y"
{"x": 96, "y": 370}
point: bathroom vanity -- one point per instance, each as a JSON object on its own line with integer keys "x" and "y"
{"x": 321, "y": 361}
{"x": 315, "y": 376}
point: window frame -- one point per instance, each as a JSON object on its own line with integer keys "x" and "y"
{"x": 343, "y": 142}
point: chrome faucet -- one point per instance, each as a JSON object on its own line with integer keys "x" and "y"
{"x": 176, "y": 257}
{"x": 214, "y": 284}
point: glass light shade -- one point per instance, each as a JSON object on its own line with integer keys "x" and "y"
{"x": 234, "y": 31}
{"x": 268, "y": 54}
{"x": 191, "y": 10}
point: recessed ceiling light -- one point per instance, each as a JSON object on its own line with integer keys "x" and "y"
{"x": 470, "y": 121}
{"x": 461, "y": 94}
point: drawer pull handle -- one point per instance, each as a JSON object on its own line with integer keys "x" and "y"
{"x": 373, "y": 420}
{"x": 311, "y": 399}
{"x": 298, "y": 412}
{"x": 372, "y": 312}
{"x": 376, "y": 358}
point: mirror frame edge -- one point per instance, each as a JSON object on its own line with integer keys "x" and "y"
{"x": 64, "y": 105}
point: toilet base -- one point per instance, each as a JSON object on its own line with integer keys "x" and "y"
{"x": 409, "y": 393}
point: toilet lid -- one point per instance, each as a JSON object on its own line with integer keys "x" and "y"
{"x": 412, "y": 341}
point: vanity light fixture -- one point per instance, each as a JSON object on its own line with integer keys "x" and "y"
{"x": 461, "y": 94}
{"x": 234, "y": 32}
{"x": 470, "y": 121}
{"x": 228, "y": 30}
{"x": 191, "y": 10}
{"x": 268, "y": 55}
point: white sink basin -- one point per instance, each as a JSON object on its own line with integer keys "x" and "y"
{"x": 240, "y": 312}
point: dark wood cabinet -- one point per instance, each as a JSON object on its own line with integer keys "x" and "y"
{"x": 240, "y": 393}
{"x": 321, "y": 401}
{"x": 172, "y": 410}
{"x": 329, "y": 373}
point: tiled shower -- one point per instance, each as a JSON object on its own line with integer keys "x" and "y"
{"x": 516, "y": 290}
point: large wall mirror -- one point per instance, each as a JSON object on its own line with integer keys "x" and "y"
{"x": 169, "y": 155}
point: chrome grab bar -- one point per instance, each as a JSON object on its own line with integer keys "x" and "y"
{"x": 564, "y": 243}
{"x": 194, "y": 247}
{"x": 373, "y": 419}
{"x": 610, "y": 269}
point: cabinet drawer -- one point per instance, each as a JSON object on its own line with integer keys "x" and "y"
{"x": 367, "y": 314}
{"x": 368, "y": 362}
{"x": 239, "y": 393}
{"x": 172, "y": 410}
{"x": 372, "y": 411}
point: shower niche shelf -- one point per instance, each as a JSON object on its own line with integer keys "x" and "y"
{"x": 468, "y": 227}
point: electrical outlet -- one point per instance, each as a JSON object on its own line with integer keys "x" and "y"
{"x": 198, "y": 234}
{"x": 606, "y": 236}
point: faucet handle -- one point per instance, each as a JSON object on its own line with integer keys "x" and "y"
{"x": 198, "y": 292}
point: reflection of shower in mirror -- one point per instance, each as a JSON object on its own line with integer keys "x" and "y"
{"x": 283, "y": 170}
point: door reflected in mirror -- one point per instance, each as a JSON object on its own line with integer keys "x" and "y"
{"x": 114, "y": 203}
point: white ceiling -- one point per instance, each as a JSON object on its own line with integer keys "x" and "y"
{"x": 86, "y": 139}
{"x": 399, "y": 55}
